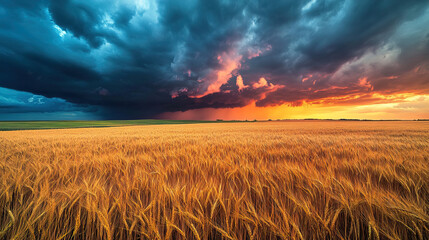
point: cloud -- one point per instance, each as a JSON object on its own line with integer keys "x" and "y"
{"x": 12, "y": 101}
{"x": 132, "y": 59}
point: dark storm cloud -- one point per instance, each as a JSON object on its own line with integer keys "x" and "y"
{"x": 79, "y": 17}
{"x": 139, "y": 58}
{"x": 12, "y": 101}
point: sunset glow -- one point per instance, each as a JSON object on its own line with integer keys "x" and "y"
{"x": 400, "y": 106}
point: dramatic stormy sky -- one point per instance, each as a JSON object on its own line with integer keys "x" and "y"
{"x": 231, "y": 59}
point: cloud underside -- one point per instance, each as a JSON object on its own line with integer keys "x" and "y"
{"x": 140, "y": 58}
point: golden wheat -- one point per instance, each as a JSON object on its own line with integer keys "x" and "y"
{"x": 267, "y": 180}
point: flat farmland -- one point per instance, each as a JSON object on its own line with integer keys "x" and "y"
{"x": 250, "y": 180}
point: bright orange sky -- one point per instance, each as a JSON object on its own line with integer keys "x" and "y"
{"x": 407, "y": 108}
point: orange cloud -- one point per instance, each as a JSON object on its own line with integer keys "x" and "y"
{"x": 230, "y": 62}
{"x": 306, "y": 78}
{"x": 240, "y": 83}
{"x": 262, "y": 83}
{"x": 363, "y": 82}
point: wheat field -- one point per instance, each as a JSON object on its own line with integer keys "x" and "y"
{"x": 262, "y": 180}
